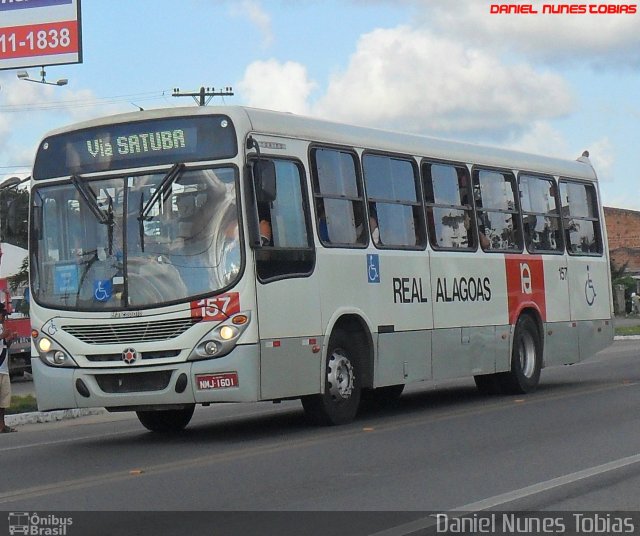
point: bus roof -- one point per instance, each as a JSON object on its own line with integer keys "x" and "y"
{"x": 312, "y": 129}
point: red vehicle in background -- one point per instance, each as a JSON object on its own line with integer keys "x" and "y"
{"x": 14, "y": 201}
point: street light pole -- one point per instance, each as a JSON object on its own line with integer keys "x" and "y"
{"x": 24, "y": 75}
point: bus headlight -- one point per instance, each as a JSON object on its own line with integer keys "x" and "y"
{"x": 59, "y": 357}
{"x": 44, "y": 345}
{"x": 221, "y": 339}
{"x": 53, "y": 354}
{"x": 227, "y": 333}
{"x": 211, "y": 348}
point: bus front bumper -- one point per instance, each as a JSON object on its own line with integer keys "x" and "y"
{"x": 232, "y": 378}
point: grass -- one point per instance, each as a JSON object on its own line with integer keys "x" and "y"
{"x": 628, "y": 330}
{"x": 22, "y": 404}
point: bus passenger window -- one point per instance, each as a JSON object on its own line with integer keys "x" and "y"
{"x": 580, "y": 218}
{"x": 540, "y": 214}
{"x": 498, "y": 219}
{"x": 395, "y": 209}
{"x": 449, "y": 206}
{"x": 338, "y": 198}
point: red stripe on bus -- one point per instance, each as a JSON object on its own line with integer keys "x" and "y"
{"x": 525, "y": 285}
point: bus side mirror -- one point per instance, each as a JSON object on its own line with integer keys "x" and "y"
{"x": 264, "y": 174}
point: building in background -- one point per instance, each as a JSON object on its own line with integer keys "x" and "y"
{"x": 623, "y": 230}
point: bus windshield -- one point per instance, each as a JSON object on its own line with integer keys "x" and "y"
{"x": 135, "y": 241}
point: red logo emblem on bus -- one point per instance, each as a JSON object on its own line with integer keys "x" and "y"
{"x": 525, "y": 285}
{"x": 129, "y": 355}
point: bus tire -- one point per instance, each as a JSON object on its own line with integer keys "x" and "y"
{"x": 166, "y": 421}
{"x": 341, "y": 398}
{"x": 526, "y": 359}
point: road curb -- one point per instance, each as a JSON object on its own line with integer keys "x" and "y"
{"x": 34, "y": 417}
{"x": 626, "y": 338}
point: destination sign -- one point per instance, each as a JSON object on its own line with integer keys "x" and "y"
{"x": 136, "y": 144}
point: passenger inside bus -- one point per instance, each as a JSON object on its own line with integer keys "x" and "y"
{"x": 373, "y": 226}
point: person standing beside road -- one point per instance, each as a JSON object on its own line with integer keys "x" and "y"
{"x": 5, "y": 382}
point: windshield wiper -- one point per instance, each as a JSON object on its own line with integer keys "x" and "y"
{"x": 91, "y": 200}
{"x": 163, "y": 190}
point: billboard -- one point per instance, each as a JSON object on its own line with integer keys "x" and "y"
{"x": 39, "y": 33}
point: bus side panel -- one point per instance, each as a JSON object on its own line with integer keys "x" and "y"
{"x": 594, "y": 335}
{"x": 459, "y": 352}
{"x": 403, "y": 357}
{"x": 397, "y": 301}
{"x": 470, "y": 307}
{"x": 590, "y": 303}
{"x": 590, "y": 287}
{"x": 560, "y": 343}
{"x": 556, "y": 288}
{"x": 290, "y": 369}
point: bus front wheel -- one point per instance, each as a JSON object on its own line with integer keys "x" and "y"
{"x": 341, "y": 398}
{"x": 526, "y": 359}
{"x": 166, "y": 421}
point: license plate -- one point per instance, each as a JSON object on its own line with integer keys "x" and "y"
{"x": 224, "y": 380}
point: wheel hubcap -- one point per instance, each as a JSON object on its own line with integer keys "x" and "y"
{"x": 527, "y": 355}
{"x": 340, "y": 376}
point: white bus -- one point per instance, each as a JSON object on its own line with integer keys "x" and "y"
{"x": 194, "y": 256}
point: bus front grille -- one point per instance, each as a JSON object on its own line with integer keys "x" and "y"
{"x": 134, "y": 383}
{"x": 131, "y": 333}
{"x": 166, "y": 354}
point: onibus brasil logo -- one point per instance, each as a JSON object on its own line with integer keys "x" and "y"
{"x": 34, "y": 524}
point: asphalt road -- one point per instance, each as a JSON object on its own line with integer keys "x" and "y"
{"x": 574, "y": 444}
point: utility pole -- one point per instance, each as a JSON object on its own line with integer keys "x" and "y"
{"x": 204, "y": 96}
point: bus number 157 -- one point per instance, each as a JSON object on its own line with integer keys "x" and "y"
{"x": 217, "y": 307}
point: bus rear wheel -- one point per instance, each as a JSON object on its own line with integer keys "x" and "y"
{"x": 526, "y": 359}
{"x": 341, "y": 398}
{"x": 166, "y": 421}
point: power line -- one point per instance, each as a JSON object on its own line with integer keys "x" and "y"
{"x": 81, "y": 103}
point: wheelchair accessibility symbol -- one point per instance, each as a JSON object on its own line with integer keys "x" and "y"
{"x": 102, "y": 289}
{"x": 589, "y": 289}
{"x": 373, "y": 268}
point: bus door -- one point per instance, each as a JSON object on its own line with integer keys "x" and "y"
{"x": 287, "y": 288}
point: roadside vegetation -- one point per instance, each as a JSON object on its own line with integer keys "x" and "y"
{"x": 629, "y": 330}
{"x": 22, "y": 404}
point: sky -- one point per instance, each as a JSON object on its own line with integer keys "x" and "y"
{"x": 552, "y": 84}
